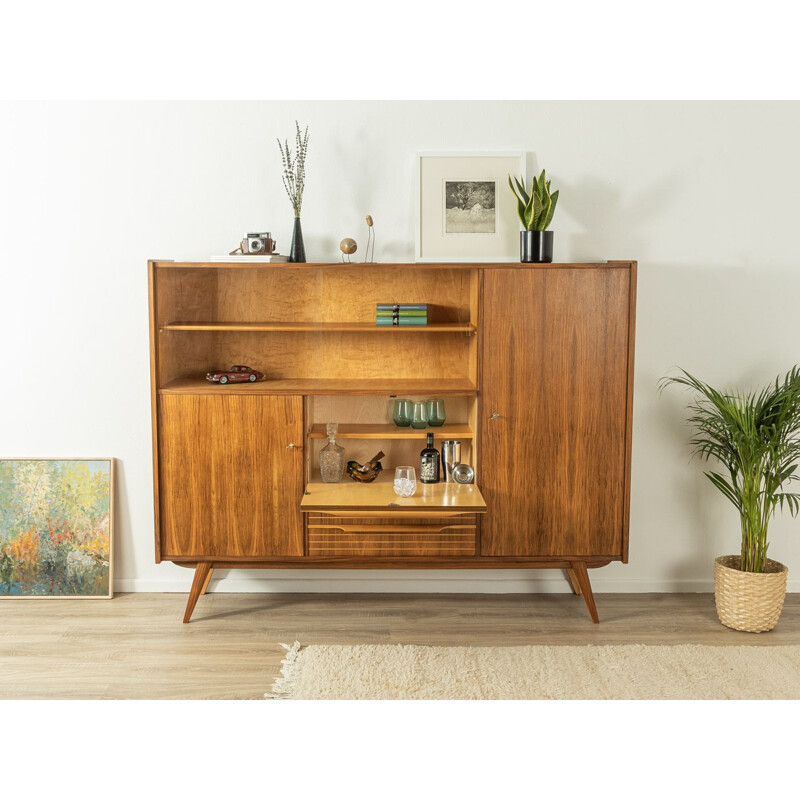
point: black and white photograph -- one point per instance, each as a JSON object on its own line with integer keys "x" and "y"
{"x": 469, "y": 207}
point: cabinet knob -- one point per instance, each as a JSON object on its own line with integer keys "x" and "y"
{"x": 290, "y": 446}
{"x": 495, "y": 415}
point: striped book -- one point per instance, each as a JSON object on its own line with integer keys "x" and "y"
{"x": 401, "y": 313}
{"x": 401, "y": 321}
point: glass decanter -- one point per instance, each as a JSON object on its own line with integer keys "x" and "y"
{"x": 331, "y": 457}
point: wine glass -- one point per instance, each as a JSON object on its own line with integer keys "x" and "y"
{"x": 402, "y": 413}
{"x": 405, "y": 481}
{"x": 435, "y": 412}
{"x": 419, "y": 416}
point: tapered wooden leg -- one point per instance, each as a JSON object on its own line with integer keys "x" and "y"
{"x": 573, "y": 581}
{"x": 201, "y": 575}
{"x": 208, "y": 578}
{"x": 582, "y": 576}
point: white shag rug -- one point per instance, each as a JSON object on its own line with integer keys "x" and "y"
{"x": 539, "y": 672}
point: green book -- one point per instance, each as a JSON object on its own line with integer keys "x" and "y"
{"x": 400, "y": 322}
{"x": 402, "y": 313}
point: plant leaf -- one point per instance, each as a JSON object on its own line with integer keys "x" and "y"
{"x": 522, "y": 192}
{"x": 520, "y": 203}
{"x": 540, "y": 222}
{"x": 552, "y": 210}
{"x": 724, "y": 487}
{"x": 530, "y": 213}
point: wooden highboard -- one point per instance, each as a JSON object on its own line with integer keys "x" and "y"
{"x": 534, "y": 362}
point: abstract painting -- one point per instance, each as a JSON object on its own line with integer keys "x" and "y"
{"x": 56, "y": 527}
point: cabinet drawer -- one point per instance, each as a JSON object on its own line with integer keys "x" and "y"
{"x": 376, "y": 537}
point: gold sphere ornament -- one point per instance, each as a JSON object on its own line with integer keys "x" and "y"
{"x": 348, "y": 246}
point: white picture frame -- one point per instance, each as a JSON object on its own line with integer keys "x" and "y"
{"x": 448, "y": 226}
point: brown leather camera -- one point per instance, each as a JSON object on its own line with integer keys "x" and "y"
{"x": 261, "y": 244}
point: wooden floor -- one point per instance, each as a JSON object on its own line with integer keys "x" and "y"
{"x": 135, "y": 646}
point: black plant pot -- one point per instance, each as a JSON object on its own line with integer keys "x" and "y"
{"x": 297, "y": 254}
{"x": 536, "y": 247}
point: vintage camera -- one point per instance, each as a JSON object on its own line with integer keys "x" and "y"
{"x": 258, "y": 244}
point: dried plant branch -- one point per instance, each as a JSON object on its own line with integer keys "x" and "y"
{"x": 294, "y": 167}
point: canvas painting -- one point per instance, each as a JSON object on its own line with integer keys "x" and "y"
{"x": 56, "y": 528}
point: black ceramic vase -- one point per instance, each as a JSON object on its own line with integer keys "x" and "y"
{"x": 297, "y": 254}
{"x": 536, "y": 247}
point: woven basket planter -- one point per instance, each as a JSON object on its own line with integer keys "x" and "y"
{"x": 749, "y": 601}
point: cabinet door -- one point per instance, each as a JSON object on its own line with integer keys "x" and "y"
{"x": 229, "y": 485}
{"x": 554, "y": 371}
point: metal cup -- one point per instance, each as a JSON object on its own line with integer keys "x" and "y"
{"x": 451, "y": 455}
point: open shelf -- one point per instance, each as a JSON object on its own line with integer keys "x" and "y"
{"x": 350, "y": 495}
{"x": 320, "y": 327}
{"x": 327, "y": 386}
{"x": 345, "y": 431}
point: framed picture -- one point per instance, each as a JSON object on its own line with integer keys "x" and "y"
{"x": 465, "y": 210}
{"x": 56, "y": 524}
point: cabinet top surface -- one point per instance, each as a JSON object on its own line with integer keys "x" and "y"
{"x": 338, "y": 265}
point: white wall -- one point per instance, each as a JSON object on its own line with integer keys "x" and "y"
{"x": 704, "y": 195}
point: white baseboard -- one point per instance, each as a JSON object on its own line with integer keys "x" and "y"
{"x": 488, "y": 583}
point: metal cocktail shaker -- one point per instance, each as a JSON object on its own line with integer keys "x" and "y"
{"x": 451, "y": 455}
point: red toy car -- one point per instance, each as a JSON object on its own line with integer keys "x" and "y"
{"x": 236, "y": 374}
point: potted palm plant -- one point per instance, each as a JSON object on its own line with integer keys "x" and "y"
{"x": 535, "y": 210}
{"x": 755, "y": 436}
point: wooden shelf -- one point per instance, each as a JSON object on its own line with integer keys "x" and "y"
{"x": 326, "y": 386}
{"x": 454, "y": 430}
{"x": 349, "y": 495}
{"x": 319, "y": 327}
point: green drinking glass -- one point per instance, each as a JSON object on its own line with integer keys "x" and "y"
{"x": 435, "y": 412}
{"x": 402, "y": 413}
{"x": 419, "y": 417}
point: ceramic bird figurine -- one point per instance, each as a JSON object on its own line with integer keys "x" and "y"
{"x": 368, "y": 472}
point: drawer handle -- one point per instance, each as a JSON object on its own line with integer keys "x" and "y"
{"x": 291, "y": 446}
{"x": 494, "y": 416}
{"x": 391, "y": 529}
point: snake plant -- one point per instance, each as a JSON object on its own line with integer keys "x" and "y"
{"x": 756, "y": 438}
{"x": 537, "y": 206}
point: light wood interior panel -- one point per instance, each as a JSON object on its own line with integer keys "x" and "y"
{"x": 377, "y": 410}
{"x": 308, "y": 356}
{"x": 309, "y": 296}
{"x": 189, "y": 294}
{"x": 349, "y": 294}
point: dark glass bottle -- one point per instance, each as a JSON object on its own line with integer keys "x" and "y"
{"x": 429, "y": 462}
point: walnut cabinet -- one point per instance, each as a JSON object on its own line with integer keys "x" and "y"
{"x": 534, "y": 362}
